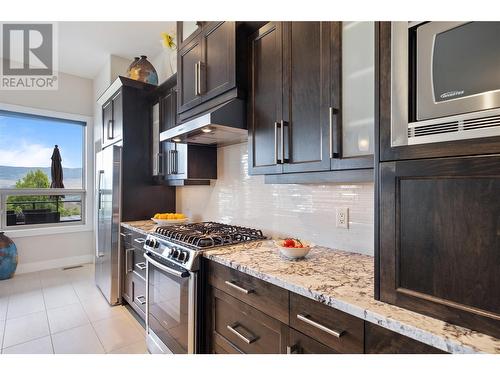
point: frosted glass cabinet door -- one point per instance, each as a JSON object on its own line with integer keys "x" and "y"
{"x": 189, "y": 28}
{"x": 358, "y": 81}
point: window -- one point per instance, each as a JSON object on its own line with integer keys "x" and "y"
{"x": 28, "y": 197}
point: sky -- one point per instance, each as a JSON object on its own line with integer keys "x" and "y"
{"x": 29, "y": 141}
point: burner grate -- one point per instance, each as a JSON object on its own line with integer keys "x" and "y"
{"x": 209, "y": 234}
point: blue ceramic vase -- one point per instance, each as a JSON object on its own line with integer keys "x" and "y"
{"x": 8, "y": 257}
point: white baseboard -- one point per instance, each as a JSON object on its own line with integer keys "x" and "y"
{"x": 54, "y": 263}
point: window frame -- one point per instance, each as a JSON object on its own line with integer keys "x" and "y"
{"x": 86, "y": 192}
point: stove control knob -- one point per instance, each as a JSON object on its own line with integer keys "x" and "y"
{"x": 156, "y": 245}
{"x": 175, "y": 254}
{"x": 148, "y": 242}
{"x": 171, "y": 253}
{"x": 181, "y": 256}
{"x": 186, "y": 256}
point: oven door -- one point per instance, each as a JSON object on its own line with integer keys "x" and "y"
{"x": 170, "y": 307}
{"x": 457, "y": 68}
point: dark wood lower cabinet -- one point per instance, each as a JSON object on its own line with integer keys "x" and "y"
{"x": 238, "y": 327}
{"x": 238, "y": 323}
{"x": 134, "y": 271}
{"x": 379, "y": 340}
{"x": 439, "y": 239}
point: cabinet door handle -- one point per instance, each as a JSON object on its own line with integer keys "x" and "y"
{"x": 139, "y": 240}
{"x": 292, "y": 349}
{"x": 110, "y": 127}
{"x": 129, "y": 253}
{"x": 196, "y": 79}
{"x": 199, "y": 77}
{"x": 141, "y": 300}
{"x": 283, "y": 124}
{"x": 232, "y": 329}
{"x": 334, "y": 148}
{"x": 319, "y": 326}
{"x": 238, "y": 288}
{"x": 276, "y": 144}
{"x": 160, "y": 163}
{"x": 141, "y": 266}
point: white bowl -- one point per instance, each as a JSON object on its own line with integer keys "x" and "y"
{"x": 169, "y": 222}
{"x": 294, "y": 252}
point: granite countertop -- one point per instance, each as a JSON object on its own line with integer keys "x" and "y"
{"x": 142, "y": 226}
{"x": 345, "y": 281}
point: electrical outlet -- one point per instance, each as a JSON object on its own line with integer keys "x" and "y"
{"x": 342, "y": 217}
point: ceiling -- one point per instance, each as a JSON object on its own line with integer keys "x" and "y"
{"x": 84, "y": 47}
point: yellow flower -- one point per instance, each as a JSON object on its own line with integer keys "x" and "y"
{"x": 168, "y": 40}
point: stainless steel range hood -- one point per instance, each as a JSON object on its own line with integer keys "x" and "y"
{"x": 222, "y": 126}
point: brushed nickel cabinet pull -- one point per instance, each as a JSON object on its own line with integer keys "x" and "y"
{"x": 276, "y": 144}
{"x": 333, "y": 152}
{"x": 196, "y": 79}
{"x": 238, "y": 288}
{"x": 232, "y": 329}
{"x": 317, "y": 325}
{"x": 199, "y": 77}
{"x": 141, "y": 266}
{"x": 141, "y": 300}
{"x": 330, "y": 127}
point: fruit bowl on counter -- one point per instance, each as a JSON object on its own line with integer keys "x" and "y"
{"x": 169, "y": 219}
{"x": 293, "y": 248}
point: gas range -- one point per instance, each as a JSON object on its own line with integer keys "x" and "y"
{"x": 183, "y": 244}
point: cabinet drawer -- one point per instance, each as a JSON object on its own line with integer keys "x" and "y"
{"x": 331, "y": 327}
{"x": 238, "y": 325}
{"x": 139, "y": 263}
{"x": 299, "y": 343}
{"x": 265, "y": 297}
{"x": 139, "y": 295}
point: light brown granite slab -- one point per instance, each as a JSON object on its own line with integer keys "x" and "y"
{"x": 345, "y": 281}
{"x": 142, "y": 226}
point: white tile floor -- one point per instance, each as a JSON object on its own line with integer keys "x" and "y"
{"x": 62, "y": 311}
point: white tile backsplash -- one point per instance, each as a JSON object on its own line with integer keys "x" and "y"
{"x": 306, "y": 211}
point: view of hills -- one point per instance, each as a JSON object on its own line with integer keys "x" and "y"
{"x": 9, "y": 176}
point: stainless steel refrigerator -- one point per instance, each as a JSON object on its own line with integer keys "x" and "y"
{"x": 108, "y": 193}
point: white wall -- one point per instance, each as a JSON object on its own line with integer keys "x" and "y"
{"x": 165, "y": 64}
{"x": 74, "y": 96}
{"x": 305, "y": 211}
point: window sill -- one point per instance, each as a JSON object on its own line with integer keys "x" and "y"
{"x": 46, "y": 231}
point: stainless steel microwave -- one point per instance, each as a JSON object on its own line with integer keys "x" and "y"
{"x": 445, "y": 79}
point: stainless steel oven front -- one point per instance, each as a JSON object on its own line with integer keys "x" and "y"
{"x": 171, "y": 293}
{"x": 445, "y": 81}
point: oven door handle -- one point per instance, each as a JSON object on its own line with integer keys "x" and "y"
{"x": 166, "y": 268}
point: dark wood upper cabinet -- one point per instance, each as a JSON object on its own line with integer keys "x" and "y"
{"x": 188, "y": 60}
{"x": 439, "y": 239}
{"x": 265, "y": 99}
{"x": 163, "y": 117}
{"x": 212, "y": 66}
{"x": 296, "y": 108}
{"x": 307, "y": 94}
{"x": 112, "y": 120}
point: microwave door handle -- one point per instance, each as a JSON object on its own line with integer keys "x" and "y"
{"x": 162, "y": 267}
